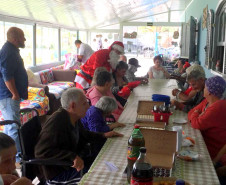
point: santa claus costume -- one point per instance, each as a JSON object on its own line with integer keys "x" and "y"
{"x": 107, "y": 58}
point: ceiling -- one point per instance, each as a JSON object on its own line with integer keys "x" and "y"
{"x": 92, "y": 14}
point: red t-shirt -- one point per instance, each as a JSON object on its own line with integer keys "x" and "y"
{"x": 212, "y": 124}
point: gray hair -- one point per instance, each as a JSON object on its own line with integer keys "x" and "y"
{"x": 96, "y": 72}
{"x": 70, "y": 95}
{"x": 195, "y": 72}
{"x": 5, "y": 141}
{"x": 106, "y": 104}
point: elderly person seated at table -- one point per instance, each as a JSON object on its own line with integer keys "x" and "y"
{"x": 209, "y": 116}
{"x": 8, "y": 174}
{"x": 130, "y": 73}
{"x": 119, "y": 77}
{"x": 181, "y": 75}
{"x": 63, "y": 138}
{"x": 196, "y": 79}
{"x": 103, "y": 88}
{"x": 180, "y": 70}
{"x": 95, "y": 118}
{"x": 158, "y": 71}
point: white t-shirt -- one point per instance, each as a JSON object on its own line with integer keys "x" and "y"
{"x": 86, "y": 51}
{"x": 157, "y": 74}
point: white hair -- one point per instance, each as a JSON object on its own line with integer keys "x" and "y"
{"x": 70, "y": 95}
{"x": 106, "y": 104}
{"x": 195, "y": 72}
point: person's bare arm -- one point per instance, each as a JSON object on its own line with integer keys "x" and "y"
{"x": 188, "y": 97}
{"x": 166, "y": 73}
{"x": 10, "y": 84}
{"x": 150, "y": 74}
{"x": 220, "y": 154}
{"x": 180, "y": 95}
{"x": 221, "y": 171}
{"x": 80, "y": 57}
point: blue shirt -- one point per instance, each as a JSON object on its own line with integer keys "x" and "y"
{"x": 12, "y": 66}
{"x": 94, "y": 120}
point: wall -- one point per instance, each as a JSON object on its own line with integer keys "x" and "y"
{"x": 195, "y": 9}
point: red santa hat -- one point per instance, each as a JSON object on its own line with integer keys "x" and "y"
{"x": 118, "y": 46}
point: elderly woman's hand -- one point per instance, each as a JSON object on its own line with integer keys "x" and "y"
{"x": 112, "y": 134}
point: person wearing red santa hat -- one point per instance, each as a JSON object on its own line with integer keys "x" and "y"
{"x": 107, "y": 58}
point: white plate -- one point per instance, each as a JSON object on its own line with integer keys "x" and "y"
{"x": 180, "y": 120}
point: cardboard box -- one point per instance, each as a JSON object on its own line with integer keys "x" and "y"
{"x": 161, "y": 148}
{"x": 152, "y": 124}
{"x": 145, "y": 107}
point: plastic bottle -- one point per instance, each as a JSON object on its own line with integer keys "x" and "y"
{"x": 135, "y": 141}
{"x": 142, "y": 173}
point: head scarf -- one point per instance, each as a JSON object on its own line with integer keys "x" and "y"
{"x": 216, "y": 86}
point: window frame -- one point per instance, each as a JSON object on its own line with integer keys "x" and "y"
{"x": 221, "y": 9}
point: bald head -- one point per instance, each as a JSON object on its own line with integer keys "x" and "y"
{"x": 16, "y": 37}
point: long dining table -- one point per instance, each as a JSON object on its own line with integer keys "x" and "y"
{"x": 114, "y": 151}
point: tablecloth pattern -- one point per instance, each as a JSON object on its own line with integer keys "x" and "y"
{"x": 199, "y": 172}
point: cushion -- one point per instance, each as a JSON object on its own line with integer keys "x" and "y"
{"x": 37, "y": 75}
{"x": 32, "y": 77}
{"x": 46, "y": 76}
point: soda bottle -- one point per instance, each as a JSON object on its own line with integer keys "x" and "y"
{"x": 142, "y": 173}
{"x": 135, "y": 141}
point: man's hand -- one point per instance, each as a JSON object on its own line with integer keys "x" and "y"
{"x": 8, "y": 178}
{"x": 144, "y": 81}
{"x": 16, "y": 97}
{"x": 22, "y": 181}
{"x": 112, "y": 134}
{"x": 78, "y": 163}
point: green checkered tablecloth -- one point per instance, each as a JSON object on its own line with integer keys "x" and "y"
{"x": 115, "y": 149}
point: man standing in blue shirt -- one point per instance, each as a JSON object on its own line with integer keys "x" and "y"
{"x": 13, "y": 81}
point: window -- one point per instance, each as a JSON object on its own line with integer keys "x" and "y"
{"x": 102, "y": 40}
{"x": 26, "y": 53}
{"x": 219, "y": 51}
{"x": 68, "y": 42}
{"x": 46, "y": 45}
{"x": 83, "y": 36}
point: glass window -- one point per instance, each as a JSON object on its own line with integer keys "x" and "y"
{"x": 102, "y": 40}
{"x": 26, "y": 53}
{"x": 2, "y": 35}
{"x": 46, "y": 45}
{"x": 83, "y": 36}
{"x": 219, "y": 63}
{"x": 68, "y": 42}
